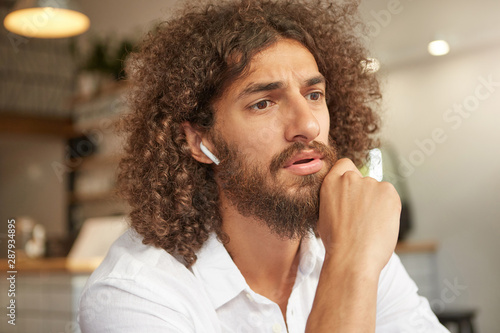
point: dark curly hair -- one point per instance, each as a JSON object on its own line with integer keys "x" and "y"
{"x": 184, "y": 65}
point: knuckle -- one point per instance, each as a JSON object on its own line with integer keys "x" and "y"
{"x": 387, "y": 186}
{"x": 350, "y": 176}
{"x": 371, "y": 180}
{"x": 345, "y": 162}
{"x": 390, "y": 191}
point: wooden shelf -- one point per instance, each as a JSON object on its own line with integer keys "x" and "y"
{"x": 92, "y": 198}
{"x": 112, "y": 87}
{"x": 94, "y": 161}
{"x": 25, "y": 124}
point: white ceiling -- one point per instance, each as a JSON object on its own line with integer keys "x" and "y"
{"x": 402, "y": 38}
{"x": 465, "y": 24}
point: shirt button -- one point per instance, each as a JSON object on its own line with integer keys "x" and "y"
{"x": 249, "y": 297}
{"x": 276, "y": 328}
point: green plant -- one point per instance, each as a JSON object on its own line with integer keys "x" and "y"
{"x": 108, "y": 60}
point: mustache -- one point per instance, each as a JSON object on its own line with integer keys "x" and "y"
{"x": 329, "y": 153}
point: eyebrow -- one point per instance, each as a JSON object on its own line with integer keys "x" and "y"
{"x": 259, "y": 87}
{"x": 315, "y": 80}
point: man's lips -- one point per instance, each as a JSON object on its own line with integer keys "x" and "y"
{"x": 303, "y": 158}
{"x": 305, "y": 163}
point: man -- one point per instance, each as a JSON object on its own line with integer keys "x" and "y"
{"x": 244, "y": 115}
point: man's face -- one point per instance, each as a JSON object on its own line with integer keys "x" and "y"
{"x": 271, "y": 134}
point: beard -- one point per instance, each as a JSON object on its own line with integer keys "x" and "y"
{"x": 288, "y": 207}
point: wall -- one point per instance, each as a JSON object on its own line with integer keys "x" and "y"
{"x": 125, "y": 18}
{"x": 37, "y": 80}
{"x": 29, "y": 185}
{"x": 453, "y": 174}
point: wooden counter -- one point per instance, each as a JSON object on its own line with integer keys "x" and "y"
{"x": 82, "y": 266}
{"x": 416, "y": 247}
{"x": 58, "y": 265}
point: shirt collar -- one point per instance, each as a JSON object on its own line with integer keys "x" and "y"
{"x": 215, "y": 268}
{"x": 223, "y": 280}
{"x": 312, "y": 255}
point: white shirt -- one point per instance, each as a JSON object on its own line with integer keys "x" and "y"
{"x": 140, "y": 288}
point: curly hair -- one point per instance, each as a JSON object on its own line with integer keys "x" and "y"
{"x": 184, "y": 65}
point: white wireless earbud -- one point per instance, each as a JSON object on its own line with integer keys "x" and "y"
{"x": 209, "y": 154}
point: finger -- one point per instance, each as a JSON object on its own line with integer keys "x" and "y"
{"x": 342, "y": 166}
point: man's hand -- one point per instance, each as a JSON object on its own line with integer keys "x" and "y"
{"x": 358, "y": 217}
{"x": 358, "y": 224}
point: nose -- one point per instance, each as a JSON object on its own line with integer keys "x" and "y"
{"x": 302, "y": 124}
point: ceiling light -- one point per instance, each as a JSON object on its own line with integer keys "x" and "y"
{"x": 46, "y": 19}
{"x": 438, "y": 47}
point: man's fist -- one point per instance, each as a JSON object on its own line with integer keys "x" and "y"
{"x": 358, "y": 217}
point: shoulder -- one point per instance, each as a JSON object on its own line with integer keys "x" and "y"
{"x": 142, "y": 283}
{"x": 130, "y": 259}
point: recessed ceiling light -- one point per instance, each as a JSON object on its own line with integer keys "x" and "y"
{"x": 438, "y": 47}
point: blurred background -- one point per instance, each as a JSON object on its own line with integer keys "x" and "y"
{"x": 59, "y": 98}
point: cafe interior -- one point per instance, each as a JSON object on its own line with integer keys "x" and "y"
{"x": 63, "y": 87}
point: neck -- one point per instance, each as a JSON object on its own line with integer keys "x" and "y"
{"x": 268, "y": 263}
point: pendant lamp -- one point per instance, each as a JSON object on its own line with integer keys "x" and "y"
{"x": 46, "y": 19}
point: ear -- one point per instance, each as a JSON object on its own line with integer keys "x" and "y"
{"x": 194, "y": 138}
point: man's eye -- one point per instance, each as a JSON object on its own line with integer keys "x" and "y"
{"x": 314, "y": 96}
{"x": 261, "y": 105}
